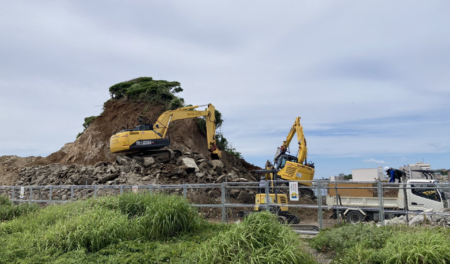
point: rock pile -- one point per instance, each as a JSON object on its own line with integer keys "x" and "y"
{"x": 189, "y": 168}
{"x": 419, "y": 219}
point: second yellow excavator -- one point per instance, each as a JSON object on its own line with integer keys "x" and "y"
{"x": 291, "y": 168}
{"x": 147, "y": 140}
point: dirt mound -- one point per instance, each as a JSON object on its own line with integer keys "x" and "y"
{"x": 10, "y": 168}
{"x": 93, "y": 145}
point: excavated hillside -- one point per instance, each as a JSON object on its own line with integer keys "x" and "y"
{"x": 93, "y": 145}
{"x": 90, "y": 151}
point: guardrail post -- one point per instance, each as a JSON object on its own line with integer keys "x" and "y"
{"x": 121, "y": 189}
{"x": 223, "y": 202}
{"x": 319, "y": 204}
{"x": 337, "y": 203}
{"x": 71, "y": 193}
{"x": 95, "y": 191}
{"x": 151, "y": 189}
{"x": 51, "y": 194}
{"x": 31, "y": 194}
{"x": 184, "y": 190}
{"x": 405, "y": 200}
{"x": 13, "y": 194}
{"x": 267, "y": 196}
{"x": 381, "y": 205}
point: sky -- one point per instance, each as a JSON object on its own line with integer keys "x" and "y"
{"x": 369, "y": 79}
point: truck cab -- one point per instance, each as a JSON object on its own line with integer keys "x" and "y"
{"x": 425, "y": 194}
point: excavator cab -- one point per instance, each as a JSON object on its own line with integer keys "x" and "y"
{"x": 282, "y": 159}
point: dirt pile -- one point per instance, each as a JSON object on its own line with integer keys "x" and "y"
{"x": 10, "y": 167}
{"x": 93, "y": 145}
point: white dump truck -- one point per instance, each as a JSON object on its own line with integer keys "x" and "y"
{"x": 358, "y": 202}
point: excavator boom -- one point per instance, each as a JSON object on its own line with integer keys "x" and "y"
{"x": 302, "y": 149}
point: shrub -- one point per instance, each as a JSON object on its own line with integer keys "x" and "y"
{"x": 259, "y": 239}
{"x": 87, "y": 122}
{"x": 146, "y": 88}
{"x": 347, "y": 236}
{"x": 406, "y": 246}
{"x": 167, "y": 216}
{"x": 176, "y": 103}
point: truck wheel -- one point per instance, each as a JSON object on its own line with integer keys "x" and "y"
{"x": 282, "y": 219}
{"x": 355, "y": 217}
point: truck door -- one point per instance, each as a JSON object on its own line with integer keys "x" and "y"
{"x": 424, "y": 196}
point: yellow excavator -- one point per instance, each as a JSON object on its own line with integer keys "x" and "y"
{"x": 289, "y": 168}
{"x": 147, "y": 140}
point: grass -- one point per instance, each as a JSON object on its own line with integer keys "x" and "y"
{"x": 389, "y": 244}
{"x": 259, "y": 239}
{"x": 9, "y": 212}
{"x": 141, "y": 228}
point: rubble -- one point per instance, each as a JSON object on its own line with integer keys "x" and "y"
{"x": 419, "y": 219}
{"x": 190, "y": 168}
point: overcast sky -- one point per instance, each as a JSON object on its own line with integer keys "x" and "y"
{"x": 370, "y": 79}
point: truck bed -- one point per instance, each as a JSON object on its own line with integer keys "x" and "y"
{"x": 348, "y": 201}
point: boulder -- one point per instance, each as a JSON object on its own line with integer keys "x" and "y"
{"x": 108, "y": 177}
{"x": 100, "y": 163}
{"x": 221, "y": 178}
{"x": 148, "y": 161}
{"x": 217, "y": 163}
{"x": 205, "y": 165}
{"x": 219, "y": 170}
{"x": 419, "y": 219}
{"x": 232, "y": 175}
{"x": 200, "y": 157}
{"x": 85, "y": 181}
{"x": 139, "y": 160}
{"x": 123, "y": 160}
{"x": 132, "y": 178}
{"x": 190, "y": 164}
{"x": 178, "y": 171}
{"x": 200, "y": 174}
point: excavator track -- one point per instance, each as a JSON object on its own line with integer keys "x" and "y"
{"x": 159, "y": 155}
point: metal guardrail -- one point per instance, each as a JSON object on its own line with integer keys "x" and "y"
{"x": 230, "y": 196}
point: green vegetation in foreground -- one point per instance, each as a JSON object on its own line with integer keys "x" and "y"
{"x": 390, "y": 244}
{"x": 142, "y": 228}
{"x": 259, "y": 239}
{"x": 9, "y": 212}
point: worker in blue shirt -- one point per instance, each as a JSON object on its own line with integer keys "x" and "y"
{"x": 393, "y": 173}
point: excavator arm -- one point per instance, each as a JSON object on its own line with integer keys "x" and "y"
{"x": 149, "y": 137}
{"x": 302, "y": 148}
{"x": 162, "y": 124}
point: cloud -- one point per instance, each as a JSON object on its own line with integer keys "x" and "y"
{"x": 368, "y": 81}
{"x": 375, "y": 161}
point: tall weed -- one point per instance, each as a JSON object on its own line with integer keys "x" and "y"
{"x": 8, "y": 211}
{"x": 259, "y": 239}
{"x": 92, "y": 230}
{"x": 166, "y": 216}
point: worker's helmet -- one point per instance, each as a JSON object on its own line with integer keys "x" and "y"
{"x": 386, "y": 168}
